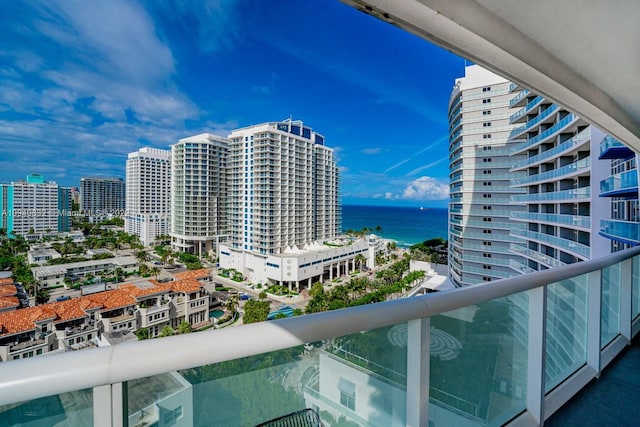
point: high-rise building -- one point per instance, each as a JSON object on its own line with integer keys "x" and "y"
{"x": 34, "y": 207}
{"x": 198, "y": 193}
{"x": 561, "y": 168}
{"x": 102, "y": 197}
{"x": 284, "y": 188}
{"x": 148, "y": 188}
{"x": 284, "y": 208}
{"x": 480, "y": 244}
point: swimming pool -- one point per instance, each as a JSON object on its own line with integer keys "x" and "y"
{"x": 216, "y": 313}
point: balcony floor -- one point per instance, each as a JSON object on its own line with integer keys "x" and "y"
{"x": 610, "y": 400}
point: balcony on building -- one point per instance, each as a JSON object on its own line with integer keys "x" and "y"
{"x": 624, "y": 184}
{"x": 611, "y": 148}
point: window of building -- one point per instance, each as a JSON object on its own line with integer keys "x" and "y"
{"x": 486, "y": 267}
{"x": 486, "y": 112}
{"x": 486, "y": 219}
{"x": 486, "y": 124}
{"x": 487, "y": 207}
{"x": 486, "y": 136}
{"x": 347, "y": 393}
{"x": 486, "y": 101}
{"x": 486, "y": 255}
{"x": 486, "y": 196}
{"x": 485, "y": 231}
{"x": 487, "y": 172}
{"x": 486, "y": 160}
{"x": 486, "y": 89}
{"x": 486, "y": 183}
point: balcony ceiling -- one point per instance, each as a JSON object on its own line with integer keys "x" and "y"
{"x": 582, "y": 54}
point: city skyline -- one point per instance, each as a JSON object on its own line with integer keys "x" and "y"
{"x": 83, "y": 88}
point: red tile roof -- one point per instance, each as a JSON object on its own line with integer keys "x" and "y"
{"x": 13, "y": 322}
{"x": 9, "y": 302}
{"x": 7, "y": 281}
{"x": 193, "y": 274}
{"x": 8, "y": 290}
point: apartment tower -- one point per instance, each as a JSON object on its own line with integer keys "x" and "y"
{"x": 148, "y": 188}
{"x": 198, "y": 193}
{"x": 102, "y": 197}
{"x": 34, "y": 206}
{"x": 283, "y": 188}
{"x": 480, "y": 244}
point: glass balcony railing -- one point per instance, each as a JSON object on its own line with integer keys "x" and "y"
{"x": 625, "y": 231}
{"x": 397, "y": 363}
{"x": 555, "y": 241}
{"x": 574, "y": 142}
{"x": 519, "y": 97}
{"x": 575, "y": 220}
{"x": 576, "y": 167}
{"x": 611, "y": 148}
{"x": 575, "y": 194}
{"x": 531, "y": 104}
{"x": 540, "y": 117}
{"x": 547, "y": 260}
{"x": 620, "y": 184}
{"x": 545, "y": 134}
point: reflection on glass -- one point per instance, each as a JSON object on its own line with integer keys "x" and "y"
{"x": 353, "y": 380}
{"x": 635, "y": 290}
{"x": 479, "y": 363}
{"x": 610, "y": 323}
{"x": 566, "y": 328}
{"x": 67, "y": 409}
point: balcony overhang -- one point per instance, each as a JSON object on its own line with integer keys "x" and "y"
{"x": 578, "y": 54}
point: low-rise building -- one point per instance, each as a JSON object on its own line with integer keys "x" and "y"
{"x": 54, "y": 275}
{"x": 298, "y": 268}
{"x": 78, "y": 323}
{"x": 41, "y": 255}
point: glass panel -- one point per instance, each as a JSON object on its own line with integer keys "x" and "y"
{"x": 635, "y": 290}
{"x": 358, "y": 379}
{"x": 479, "y": 363}
{"x": 610, "y": 323}
{"x": 566, "y": 329}
{"x": 67, "y": 409}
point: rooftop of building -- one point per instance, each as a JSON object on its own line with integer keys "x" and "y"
{"x": 193, "y": 274}
{"x": 24, "y": 320}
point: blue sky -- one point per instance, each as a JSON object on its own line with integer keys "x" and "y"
{"x": 81, "y": 86}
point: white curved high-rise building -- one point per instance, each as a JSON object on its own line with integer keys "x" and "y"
{"x": 480, "y": 179}
{"x": 198, "y": 193}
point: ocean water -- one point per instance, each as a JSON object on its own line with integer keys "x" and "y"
{"x": 405, "y": 225}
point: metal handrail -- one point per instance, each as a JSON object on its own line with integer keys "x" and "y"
{"x": 27, "y": 379}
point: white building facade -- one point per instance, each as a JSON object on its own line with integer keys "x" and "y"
{"x": 284, "y": 206}
{"x": 198, "y": 193}
{"x": 480, "y": 192}
{"x": 148, "y": 188}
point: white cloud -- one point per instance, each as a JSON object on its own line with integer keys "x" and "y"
{"x": 371, "y": 151}
{"x": 426, "y": 188}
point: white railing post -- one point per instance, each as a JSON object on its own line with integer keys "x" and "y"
{"x": 418, "y": 354}
{"x": 626, "y": 282}
{"x": 594, "y": 320}
{"x": 108, "y": 406}
{"x": 537, "y": 353}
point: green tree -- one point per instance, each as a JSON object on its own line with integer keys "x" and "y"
{"x": 167, "y": 331}
{"x": 184, "y": 327}
{"x": 262, "y": 296}
{"x": 142, "y": 334}
{"x": 255, "y": 311}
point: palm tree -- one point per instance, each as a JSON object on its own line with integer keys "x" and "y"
{"x": 154, "y": 271}
{"x": 360, "y": 259}
{"x": 142, "y": 256}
